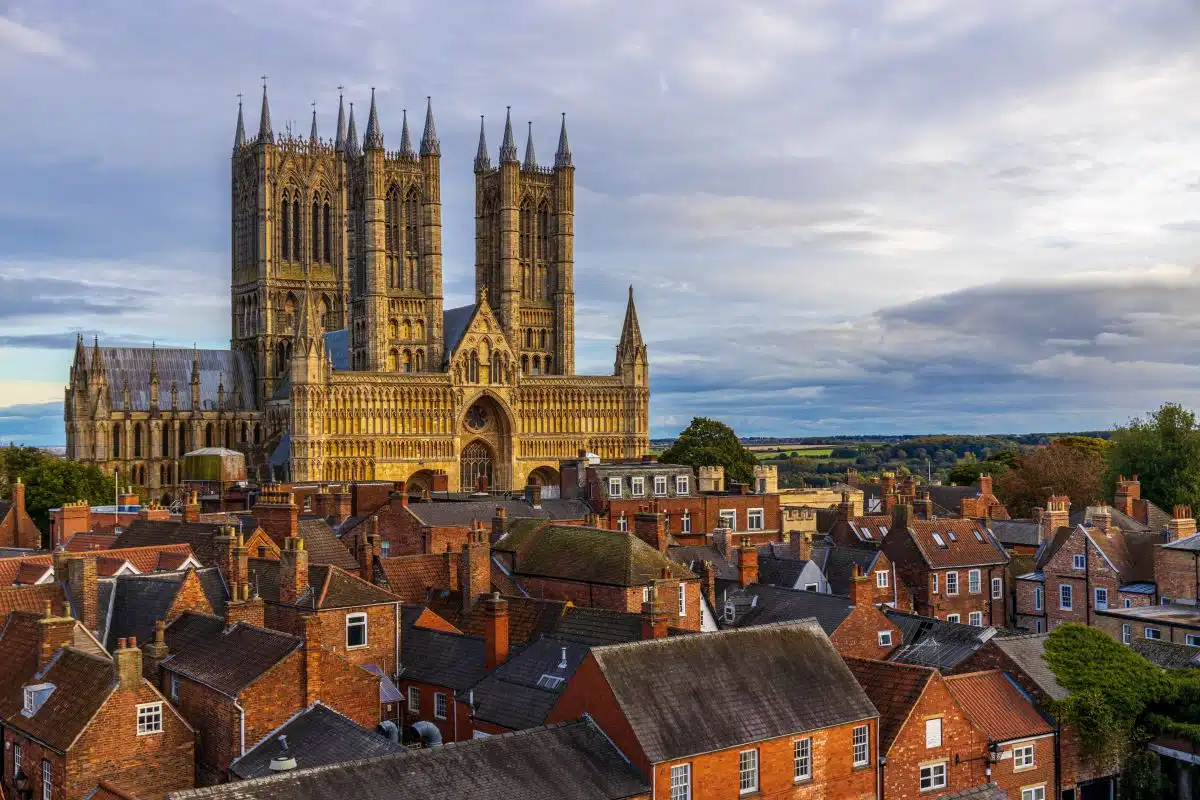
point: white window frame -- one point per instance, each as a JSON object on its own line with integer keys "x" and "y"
{"x": 933, "y": 733}
{"x": 728, "y": 517}
{"x": 356, "y": 620}
{"x": 414, "y": 700}
{"x": 952, "y": 584}
{"x": 933, "y": 776}
{"x": 748, "y": 771}
{"x": 16, "y": 764}
{"x": 685, "y": 522}
{"x": 1079, "y": 561}
{"x": 1128, "y": 603}
{"x": 637, "y": 486}
{"x": 149, "y": 719}
{"x": 1039, "y": 598}
{"x": 1191, "y": 639}
{"x": 1151, "y": 629}
{"x": 1066, "y": 597}
{"x": 812, "y": 587}
{"x": 682, "y": 599}
{"x": 975, "y": 618}
{"x": 175, "y": 687}
{"x": 1034, "y": 792}
{"x": 645, "y": 594}
{"x": 860, "y": 746}
{"x": 1023, "y": 756}
{"x": 614, "y": 487}
{"x": 756, "y": 519}
{"x": 47, "y": 780}
{"x": 934, "y": 585}
{"x": 385, "y": 548}
{"x": 997, "y": 588}
{"x": 955, "y": 618}
{"x": 730, "y": 612}
{"x": 681, "y": 782}
{"x": 623, "y": 523}
{"x": 1099, "y": 592}
{"x": 1126, "y": 633}
{"x": 974, "y": 582}
{"x": 440, "y": 705}
{"x": 885, "y": 638}
{"x": 802, "y": 760}
{"x": 660, "y": 480}
{"x": 881, "y": 579}
{"x": 683, "y": 484}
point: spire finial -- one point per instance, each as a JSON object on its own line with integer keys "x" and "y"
{"x": 239, "y": 133}
{"x": 430, "y": 146}
{"x": 312, "y": 136}
{"x": 482, "y": 161}
{"x": 406, "y": 148}
{"x": 352, "y": 136}
{"x": 631, "y": 332}
{"x": 530, "y": 157}
{"x": 265, "y": 134}
{"x": 339, "y": 142}
{"x": 562, "y": 158}
{"x": 508, "y": 147}
{"x": 373, "y": 139}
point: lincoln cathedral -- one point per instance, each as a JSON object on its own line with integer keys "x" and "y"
{"x": 344, "y": 364}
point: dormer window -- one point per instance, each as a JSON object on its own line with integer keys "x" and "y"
{"x": 978, "y": 536}
{"x": 660, "y": 485}
{"x": 681, "y": 484}
{"x": 35, "y": 697}
{"x": 730, "y": 612}
{"x": 883, "y": 530}
{"x": 637, "y": 487}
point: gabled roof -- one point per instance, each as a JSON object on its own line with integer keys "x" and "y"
{"x": 522, "y": 692}
{"x": 143, "y": 559}
{"x": 598, "y": 626}
{"x": 454, "y": 325}
{"x": 1130, "y": 554}
{"x": 82, "y": 684}
{"x": 1016, "y": 532}
{"x": 776, "y": 567}
{"x": 997, "y": 706}
{"x": 691, "y": 556}
{"x": 30, "y": 598}
{"x": 764, "y": 605}
{"x": 82, "y": 542}
{"x": 894, "y": 690}
{"x": 936, "y": 643}
{"x": 588, "y": 555}
{"x": 1168, "y": 655}
{"x": 748, "y": 693}
{"x": 132, "y": 604}
{"x": 569, "y": 761}
{"x": 322, "y": 544}
{"x": 440, "y": 658}
{"x": 838, "y": 564}
{"x": 230, "y": 660}
{"x": 132, "y": 365}
{"x": 147, "y": 532}
{"x": 949, "y": 543}
{"x": 528, "y": 618}
{"x": 316, "y": 736}
{"x": 1028, "y": 653}
{"x": 328, "y": 586}
{"x": 411, "y": 577}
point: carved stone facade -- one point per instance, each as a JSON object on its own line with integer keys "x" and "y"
{"x": 344, "y": 364}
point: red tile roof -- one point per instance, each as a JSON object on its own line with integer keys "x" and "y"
{"x": 964, "y": 543}
{"x": 30, "y": 573}
{"x": 894, "y": 690}
{"x": 996, "y": 706}
{"x": 410, "y": 577}
{"x": 31, "y": 598}
{"x": 83, "y": 542}
{"x": 143, "y": 559}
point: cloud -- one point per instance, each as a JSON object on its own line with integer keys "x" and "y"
{"x": 17, "y": 39}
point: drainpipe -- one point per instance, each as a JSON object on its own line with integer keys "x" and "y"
{"x": 241, "y": 727}
{"x": 879, "y": 778}
{"x": 396, "y": 629}
{"x": 1087, "y": 582}
{"x": 454, "y": 711}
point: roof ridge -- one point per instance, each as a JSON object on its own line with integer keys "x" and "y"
{"x": 976, "y": 674}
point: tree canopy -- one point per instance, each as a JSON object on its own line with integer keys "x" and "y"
{"x": 1163, "y": 450}
{"x": 51, "y": 481}
{"x": 709, "y": 443}
{"x": 1058, "y": 469}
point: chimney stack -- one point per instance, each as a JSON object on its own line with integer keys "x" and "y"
{"x": 747, "y": 561}
{"x": 708, "y": 583}
{"x": 341, "y": 506}
{"x": 499, "y": 522}
{"x": 495, "y": 611}
{"x": 1102, "y": 520}
{"x": 82, "y": 586}
{"x": 191, "y": 507}
{"x": 293, "y": 571}
{"x": 533, "y": 495}
{"x": 1057, "y": 515}
{"x": 475, "y": 566}
{"x": 861, "y": 592}
{"x": 902, "y": 514}
{"x": 801, "y": 546}
{"x": 277, "y": 514}
{"x": 985, "y": 485}
{"x": 845, "y": 509}
{"x": 651, "y": 528}
{"x": 655, "y": 617}
{"x": 1182, "y": 524}
{"x": 53, "y": 633}
{"x": 923, "y": 505}
{"x": 129, "y": 664}
{"x": 154, "y": 653}
{"x": 368, "y": 548}
{"x": 1128, "y": 493}
{"x": 242, "y": 607}
{"x": 720, "y": 540}
{"x": 312, "y": 659}
{"x": 398, "y": 500}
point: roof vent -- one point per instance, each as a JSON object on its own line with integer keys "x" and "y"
{"x": 284, "y": 761}
{"x": 754, "y": 601}
{"x": 563, "y": 663}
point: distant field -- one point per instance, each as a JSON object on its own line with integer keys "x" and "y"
{"x": 765, "y": 454}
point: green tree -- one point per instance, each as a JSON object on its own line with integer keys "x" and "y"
{"x": 51, "y": 481}
{"x": 1053, "y": 470}
{"x": 1163, "y": 450}
{"x": 1086, "y": 444}
{"x": 709, "y": 443}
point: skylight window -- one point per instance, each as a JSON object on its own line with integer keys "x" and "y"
{"x": 979, "y": 536}
{"x": 549, "y": 682}
{"x": 937, "y": 537}
{"x": 950, "y": 533}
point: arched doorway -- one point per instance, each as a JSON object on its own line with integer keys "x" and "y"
{"x": 476, "y": 467}
{"x": 547, "y": 478}
{"x": 419, "y": 482}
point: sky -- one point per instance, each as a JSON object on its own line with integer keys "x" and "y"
{"x": 838, "y": 216}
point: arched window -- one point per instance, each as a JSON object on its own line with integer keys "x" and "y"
{"x": 116, "y": 441}
{"x": 412, "y": 238}
{"x": 393, "y": 360}
{"x": 526, "y": 231}
{"x": 228, "y": 437}
{"x": 524, "y": 365}
{"x": 419, "y": 329}
{"x": 245, "y": 438}
{"x": 406, "y": 331}
{"x": 497, "y": 374}
{"x": 543, "y": 233}
{"x": 183, "y": 440}
{"x": 315, "y": 230}
{"x": 137, "y": 441}
{"x": 473, "y": 368}
{"x": 326, "y": 247}
{"x": 406, "y": 361}
{"x": 296, "y": 250}
{"x": 166, "y": 442}
{"x": 280, "y": 359}
{"x": 546, "y": 366}
{"x": 529, "y": 337}
{"x": 286, "y": 222}
{"x": 208, "y": 435}
{"x": 537, "y": 365}
{"x": 542, "y": 336}
{"x": 391, "y": 228}
{"x": 419, "y": 361}
{"x": 393, "y": 329}
{"x": 256, "y": 433}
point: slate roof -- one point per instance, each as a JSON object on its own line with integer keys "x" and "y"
{"x": 191, "y": 627}
{"x": 440, "y": 658}
{"x": 894, "y": 690}
{"x": 317, "y": 736}
{"x": 838, "y": 564}
{"x": 198, "y": 535}
{"x": 1190, "y": 543}
{"x": 1168, "y": 655}
{"x": 322, "y": 544}
{"x": 948, "y": 499}
{"x": 174, "y": 364}
{"x": 758, "y": 604}
{"x": 528, "y": 618}
{"x": 598, "y": 626}
{"x": 691, "y": 556}
{"x": 511, "y": 697}
{"x": 936, "y": 643}
{"x": 1016, "y": 532}
{"x": 82, "y": 684}
{"x": 997, "y": 706}
{"x": 232, "y": 659}
{"x": 454, "y": 325}
{"x": 589, "y": 555}
{"x": 960, "y": 547}
{"x": 988, "y": 791}
{"x": 328, "y": 587}
{"x": 1083, "y": 516}
{"x": 776, "y": 566}
{"x": 448, "y": 513}
{"x": 1028, "y": 652}
{"x": 750, "y": 680}
{"x": 132, "y": 604}
{"x": 568, "y": 761}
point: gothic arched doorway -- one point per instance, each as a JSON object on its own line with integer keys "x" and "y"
{"x": 476, "y": 467}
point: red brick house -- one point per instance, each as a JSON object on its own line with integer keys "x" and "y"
{"x": 72, "y": 716}
{"x": 735, "y": 734}
{"x": 17, "y": 528}
{"x": 236, "y": 684}
{"x": 1021, "y": 744}
{"x": 1177, "y": 560}
{"x": 1085, "y": 568}
{"x": 954, "y": 568}
{"x": 928, "y": 745}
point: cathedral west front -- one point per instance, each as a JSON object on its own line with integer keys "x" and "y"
{"x": 344, "y": 363}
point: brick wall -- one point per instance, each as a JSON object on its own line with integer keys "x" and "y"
{"x": 452, "y": 725}
{"x": 1013, "y": 780}
{"x": 703, "y": 510}
{"x": 190, "y": 597}
{"x": 858, "y": 635}
{"x": 381, "y": 636}
{"x": 588, "y": 692}
{"x": 941, "y": 603}
{"x": 1177, "y": 573}
{"x": 617, "y": 598}
{"x": 17, "y": 528}
{"x": 32, "y": 754}
{"x": 1025, "y": 604}
{"x": 217, "y": 724}
{"x": 1060, "y": 570}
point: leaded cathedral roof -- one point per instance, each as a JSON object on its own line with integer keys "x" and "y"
{"x": 131, "y": 366}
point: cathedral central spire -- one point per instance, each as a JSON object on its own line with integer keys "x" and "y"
{"x": 265, "y": 134}
{"x": 508, "y": 147}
